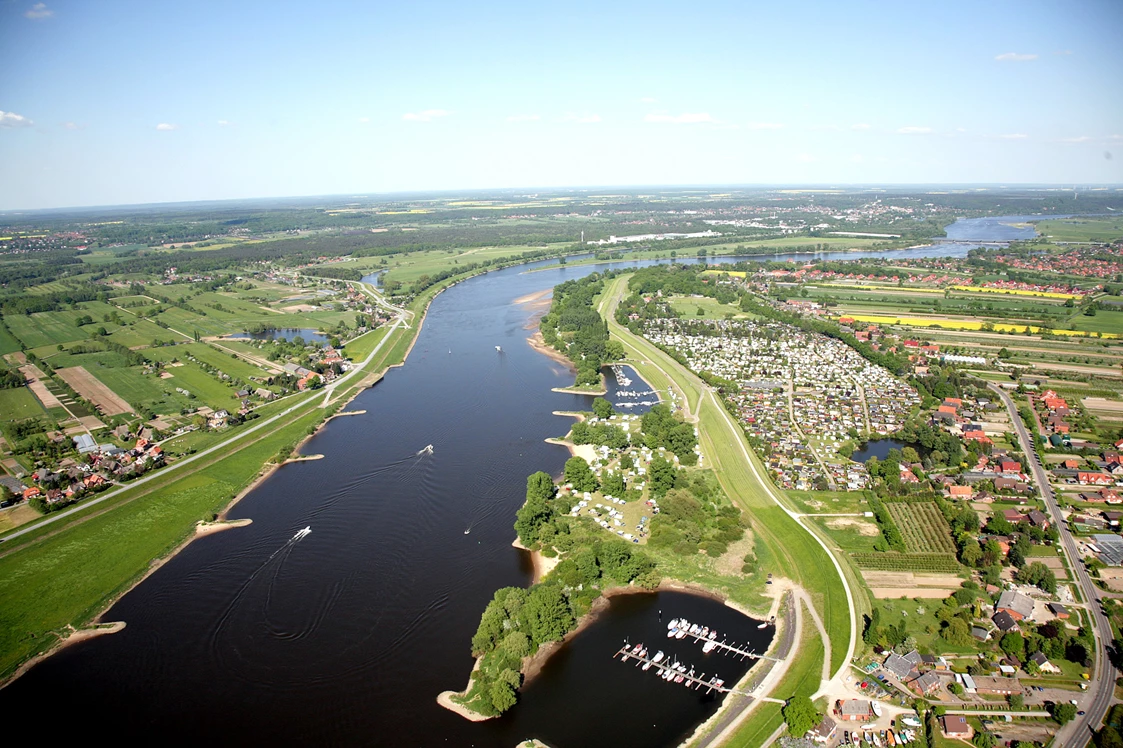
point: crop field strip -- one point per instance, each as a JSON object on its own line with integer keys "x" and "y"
{"x": 941, "y": 563}
{"x": 923, "y": 527}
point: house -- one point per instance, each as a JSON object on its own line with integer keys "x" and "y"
{"x": 1037, "y": 518}
{"x": 1019, "y": 606}
{"x": 1043, "y": 663}
{"x": 1113, "y": 517}
{"x": 1005, "y": 622}
{"x": 855, "y": 710}
{"x": 1058, "y": 610}
{"x": 899, "y": 666}
{"x": 989, "y": 685}
{"x": 1071, "y": 464}
{"x": 960, "y": 492}
{"x": 955, "y": 726}
{"x": 1009, "y": 466}
{"x": 926, "y": 684}
{"x": 980, "y": 633}
{"x": 1093, "y": 479}
{"x": 1013, "y": 516}
{"x": 824, "y": 731}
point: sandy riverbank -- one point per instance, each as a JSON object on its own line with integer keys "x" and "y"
{"x": 543, "y": 565}
{"x": 538, "y": 343}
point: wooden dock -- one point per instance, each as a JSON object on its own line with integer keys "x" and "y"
{"x": 732, "y": 649}
{"x": 695, "y": 682}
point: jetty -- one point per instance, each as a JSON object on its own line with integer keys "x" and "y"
{"x": 674, "y": 671}
{"x": 732, "y": 649}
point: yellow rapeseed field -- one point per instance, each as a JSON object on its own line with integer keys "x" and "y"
{"x": 1018, "y": 292}
{"x": 965, "y": 324}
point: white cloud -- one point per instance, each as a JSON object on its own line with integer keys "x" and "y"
{"x": 823, "y": 128}
{"x": 427, "y": 115}
{"x": 766, "y": 125}
{"x": 686, "y": 118}
{"x": 860, "y": 126}
{"x": 914, "y": 130}
{"x": 72, "y": 126}
{"x": 523, "y": 118}
{"x": 582, "y": 119}
{"x": 166, "y": 127}
{"x": 805, "y": 158}
{"x": 1014, "y": 136}
{"x": 1015, "y": 57}
{"x": 39, "y": 12}
{"x": 223, "y": 122}
{"x": 364, "y": 120}
{"x": 1115, "y": 137}
{"x": 1077, "y": 139}
{"x": 1064, "y": 52}
{"x": 647, "y": 100}
{"x": 857, "y": 158}
{"x": 11, "y": 120}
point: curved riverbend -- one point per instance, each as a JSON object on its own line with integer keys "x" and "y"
{"x": 347, "y": 634}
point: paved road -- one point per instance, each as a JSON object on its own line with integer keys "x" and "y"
{"x": 1101, "y": 689}
{"x": 224, "y": 445}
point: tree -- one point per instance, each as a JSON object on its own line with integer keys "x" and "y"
{"x": 1017, "y": 702}
{"x": 957, "y": 633}
{"x": 578, "y": 474}
{"x": 547, "y": 613}
{"x": 983, "y": 739}
{"x": 502, "y": 695}
{"x": 1063, "y": 713}
{"x": 602, "y": 408}
{"x": 663, "y": 476}
{"x": 800, "y": 715}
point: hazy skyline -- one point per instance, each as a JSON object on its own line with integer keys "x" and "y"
{"x": 115, "y": 102}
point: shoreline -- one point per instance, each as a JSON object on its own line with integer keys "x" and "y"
{"x": 533, "y": 664}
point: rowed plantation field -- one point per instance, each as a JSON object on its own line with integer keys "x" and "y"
{"x": 923, "y": 527}
{"x": 940, "y": 563}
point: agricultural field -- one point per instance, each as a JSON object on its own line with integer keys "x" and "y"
{"x": 94, "y": 391}
{"x": 937, "y": 563}
{"x": 47, "y": 328}
{"x": 18, "y": 403}
{"x": 923, "y": 527}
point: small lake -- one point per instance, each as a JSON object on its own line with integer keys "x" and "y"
{"x": 879, "y": 448}
{"x": 288, "y": 333}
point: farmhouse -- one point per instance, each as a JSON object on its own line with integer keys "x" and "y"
{"x": 1017, "y": 605}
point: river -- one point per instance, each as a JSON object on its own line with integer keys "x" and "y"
{"x": 347, "y": 635}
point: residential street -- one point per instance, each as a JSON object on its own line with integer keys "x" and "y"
{"x": 1098, "y": 698}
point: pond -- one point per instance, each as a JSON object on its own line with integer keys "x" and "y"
{"x": 879, "y": 448}
{"x": 287, "y": 333}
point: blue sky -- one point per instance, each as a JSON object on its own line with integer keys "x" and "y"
{"x": 124, "y": 102}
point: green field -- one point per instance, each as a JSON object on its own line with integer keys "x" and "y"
{"x": 48, "y": 328}
{"x": 1082, "y": 229}
{"x": 711, "y": 308}
{"x": 18, "y": 403}
{"x": 410, "y": 267}
{"x": 1104, "y": 321}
